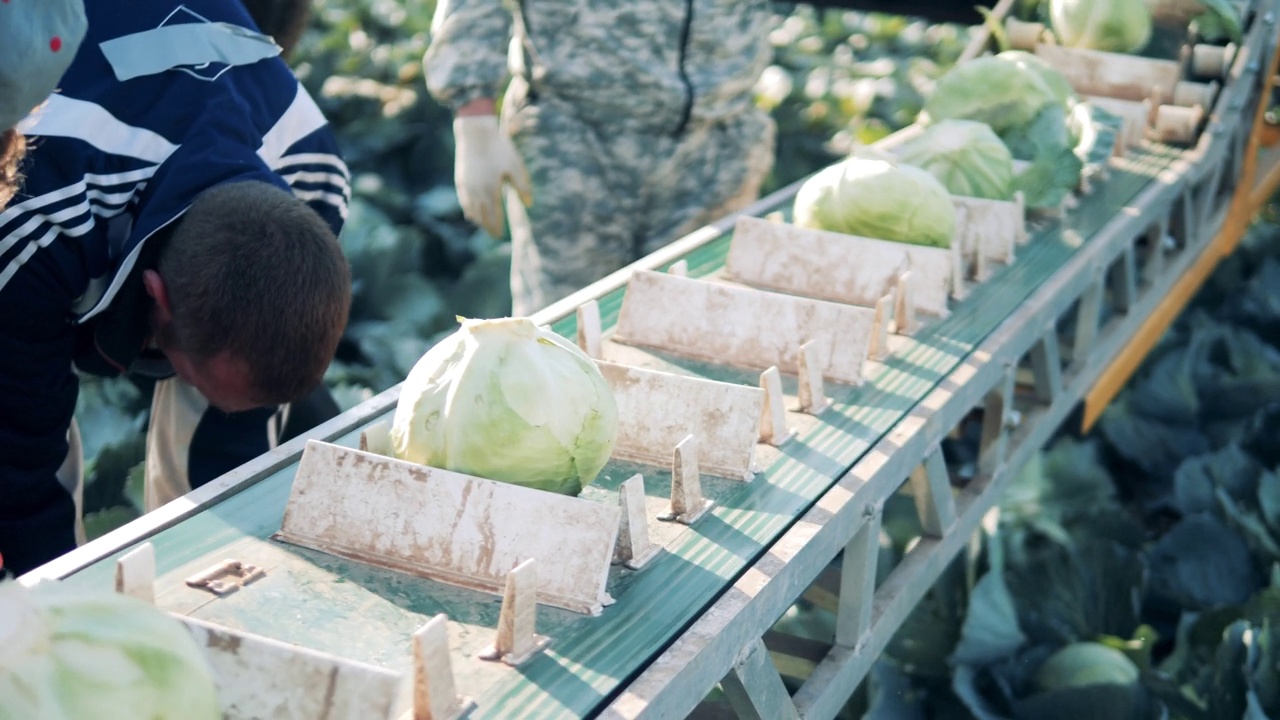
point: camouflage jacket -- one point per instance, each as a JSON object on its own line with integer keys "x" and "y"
{"x": 654, "y": 64}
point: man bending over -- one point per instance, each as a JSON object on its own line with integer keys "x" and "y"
{"x": 177, "y": 220}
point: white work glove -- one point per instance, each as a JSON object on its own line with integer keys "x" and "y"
{"x": 485, "y": 160}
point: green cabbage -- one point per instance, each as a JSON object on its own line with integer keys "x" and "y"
{"x": 1006, "y": 91}
{"x": 1122, "y": 26}
{"x": 67, "y": 655}
{"x": 966, "y": 156}
{"x": 1085, "y": 663}
{"x": 508, "y": 401}
{"x": 1033, "y": 110}
{"x": 877, "y": 197}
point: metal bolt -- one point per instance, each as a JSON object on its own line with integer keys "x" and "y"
{"x": 1013, "y": 419}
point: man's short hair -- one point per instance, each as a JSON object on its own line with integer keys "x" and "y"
{"x": 253, "y": 271}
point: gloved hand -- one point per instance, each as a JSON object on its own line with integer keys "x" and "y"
{"x": 484, "y": 161}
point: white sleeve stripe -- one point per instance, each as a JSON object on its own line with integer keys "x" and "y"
{"x": 337, "y": 182}
{"x": 131, "y": 176}
{"x": 116, "y": 198}
{"x": 301, "y": 119}
{"x": 83, "y": 120}
{"x": 25, "y": 255}
{"x": 61, "y": 221}
{"x": 333, "y": 199}
{"x": 90, "y": 179}
{"x": 326, "y": 159}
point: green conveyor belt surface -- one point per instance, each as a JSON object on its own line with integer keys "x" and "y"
{"x": 367, "y": 614}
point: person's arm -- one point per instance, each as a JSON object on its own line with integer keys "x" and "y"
{"x": 37, "y": 403}
{"x": 467, "y": 58}
{"x": 465, "y": 67}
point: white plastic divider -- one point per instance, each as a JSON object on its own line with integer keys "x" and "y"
{"x": 258, "y": 677}
{"x": 836, "y": 267}
{"x": 987, "y": 231}
{"x": 1114, "y": 75}
{"x": 743, "y": 327}
{"x": 463, "y": 530}
{"x": 657, "y": 410}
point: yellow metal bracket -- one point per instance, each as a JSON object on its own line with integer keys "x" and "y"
{"x": 1258, "y": 182}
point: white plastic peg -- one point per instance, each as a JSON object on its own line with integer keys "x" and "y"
{"x": 773, "y": 421}
{"x": 589, "y": 329}
{"x": 435, "y": 694}
{"x": 687, "y": 502}
{"x": 136, "y": 573}
{"x": 516, "y": 641}
{"x": 905, "y": 312}
{"x": 813, "y": 398}
{"x": 633, "y": 548}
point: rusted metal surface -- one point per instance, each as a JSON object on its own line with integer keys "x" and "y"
{"x": 448, "y": 526}
{"x": 656, "y": 410}
{"x": 743, "y": 327}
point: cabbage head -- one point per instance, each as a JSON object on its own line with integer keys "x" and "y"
{"x": 1006, "y": 91}
{"x": 966, "y": 156}
{"x": 1085, "y": 663}
{"x": 71, "y": 655}
{"x": 876, "y": 197}
{"x": 1122, "y": 26}
{"x": 507, "y": 401}
{"x": 1033, "y": 110}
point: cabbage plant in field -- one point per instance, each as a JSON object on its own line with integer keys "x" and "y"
{"x": 70, "y": 655}
{"x": 509, "y": 401}
{"x": 966, "y": 156}
{"x": 873, "y": 195}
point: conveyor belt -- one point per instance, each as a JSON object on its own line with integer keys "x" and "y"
{"x": 365, "y": 614}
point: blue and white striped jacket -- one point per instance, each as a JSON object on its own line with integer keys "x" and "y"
{"x": 113, "y": 161}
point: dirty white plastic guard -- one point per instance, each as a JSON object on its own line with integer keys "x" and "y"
{"x": 258, "y": 677}
{"x": 836, "y": 267}
{"x": 1115, "y": 75}
{"x": 987, "y": 231}
{"x": 451, "y": 527}
{"x": 742, "y": 327}
{"x": 657, "y": 410}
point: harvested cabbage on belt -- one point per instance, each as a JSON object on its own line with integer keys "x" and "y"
{"x": 1034, "y": 111}
{"x": 71, "y": 655}
{"x": 1122, "y": 26}
{"x": 507, "y": 401}
{"x": 966, "y": 156}
{"x": 873, "y": 195}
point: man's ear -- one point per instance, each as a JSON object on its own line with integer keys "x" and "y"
{"x": 155, "y": 286}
